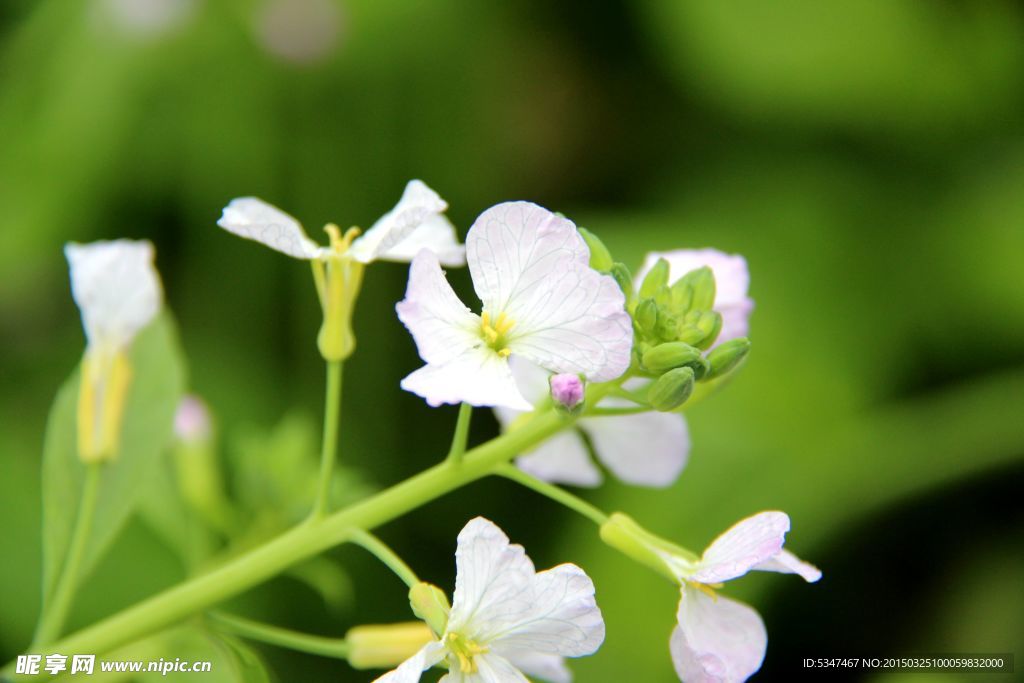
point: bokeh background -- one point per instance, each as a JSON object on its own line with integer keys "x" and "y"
{"x": 866, "y": 156}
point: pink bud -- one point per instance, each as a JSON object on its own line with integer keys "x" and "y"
{"x": 567, "y": 389}
{"x": 192, "y": 421}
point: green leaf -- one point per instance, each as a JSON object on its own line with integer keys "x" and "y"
{"x": 156, "y": 388}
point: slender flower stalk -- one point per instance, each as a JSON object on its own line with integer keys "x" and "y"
{"x": 329, "y": 446}
{"x": 555, "y": 493}
{"x": 281, "y": 637}
{"x": 390, "y": 559}
{"x": 461, "y": 435}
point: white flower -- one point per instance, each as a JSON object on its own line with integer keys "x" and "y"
{"x": 646, "y": 449}
{"x": 541, "y": 300}
{"x": 732, "y": 280}
{"x": 507, "y": 619}
{"x": 117, "y": 290}
{"x": 718, "y": 640}
{"x": 416, "y": 222}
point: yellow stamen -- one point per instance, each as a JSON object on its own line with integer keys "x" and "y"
{"x": 707, "y": 589}
{"x": 341, "y": 243}
{"x": 466, "y": 651}
{"x": 494, "y": 331}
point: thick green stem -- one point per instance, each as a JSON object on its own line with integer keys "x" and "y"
{"x": 461, "y": 436}
{"x": 377, "y": 548}
{"x": 304, "y": 541}
{"x": 56, "y": 611}
{"x": 329, "y": 447}
{"x": 281, "y": 637}
{"x": 553, "y": 492}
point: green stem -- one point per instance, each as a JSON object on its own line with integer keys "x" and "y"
{"x": 329, "y": 447}
{"x": 606, "y": 412}
{"x": 55, "y": 613}
{"x": 553, "y": 492}
{"x": 304, "y": 541}
{"x": 377, "y": 548}
{"x": 282, "y": 637}
{"x": 461, "y": 436}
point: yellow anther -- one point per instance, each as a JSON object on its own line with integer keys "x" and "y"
{"x": 466, "y": 651}
{"x": 706, "y": 589}
{"x": 494, "y": 331}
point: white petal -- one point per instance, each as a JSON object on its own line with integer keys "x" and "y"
{"x": 563, "y": 459}
{"x": 576, "y": 323}
{"x": 732, "y": 281}
{"x": 717, "y": 640}
{"x": 418, "y": 204}
{"x": 742, "y": 547}
{"x": 544, "y": 666}
{"x": 254, "y": 219}
{"x": 437, "y": 234}
{"x": 557, "y": 614}
{"x": 439, "y": 322}
{"x": 479, "y": 377}
{"x": 411, "y": 669}
{"x": 531, "y": 379}
{"x": 648, "y": 449}
{"x": 491, "y": 668}
{"x": 786, "y": 562}
{"x": 116, "y": 288}
{"x": 489, "y": 569}
{"x": 512, "y": 249}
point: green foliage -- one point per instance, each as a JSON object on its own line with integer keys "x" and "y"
{"x": 156, "y": 388}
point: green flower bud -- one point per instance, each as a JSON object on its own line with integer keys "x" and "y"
{"x": 430, "y": 604}
{"x": 670, "y": 355}
{"x": 600, "y": 257}
{"x": 656, "y": 278}
{"x": 682, "y": 297}
{"x": 383, "y": 646}
{"x": 624, "y": 278}
{"x": 710, "y": 324}
{"x": 671, "y": 390}
{"x": 667, "y": 328}
{"x": 702, "y": 283}
{"x": 727, "y": 355}
{"x": 646, "y": 316}
{"x": 689, "y": 334}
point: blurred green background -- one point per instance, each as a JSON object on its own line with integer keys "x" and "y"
{"x": 866, "y": 156}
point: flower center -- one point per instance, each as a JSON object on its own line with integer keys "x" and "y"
{"x": 340, "y": 243}
{"x": 465, "y": 649}
{"x": 705, "y": 588}
{"x": 495, "y": 331}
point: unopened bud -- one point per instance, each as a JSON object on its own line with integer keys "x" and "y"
{"x": 567, "y": 391}
{"x": 656, "y": 278}
{"x": 670, "y": 355}
{"x": 623, "y": 278}
{"x": 430, "y": 604}
{"x": 710, "y": 324}
{"x": 667, "y": 328}
{"x": 646, "y": 316}
{"x": 671, "y": 390}
{"x": 702, "y": 285}
{"x": 385, "y": 646}
{"x": 192, "y": 420}
{"x": 600, "y": 257}
{"x": 727, "y": 355}
{"x": 625, "y": 535}
{"x": 682, "y": 297}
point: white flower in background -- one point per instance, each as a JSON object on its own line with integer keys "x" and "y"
{"x": 646, "y": 449}
{"x": 507, "y": 619}
{"x": 732, "y": 280}
{"x": 541, "y": 300}
{"x": 118, "y": 292}
{"x": 416, "y": 222}
{"x": 718, "y": 640}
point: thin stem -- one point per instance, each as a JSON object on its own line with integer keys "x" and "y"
{"x": 329, "y": 447}
{"x": 607, "y": 412}
{"x": 553, "y": 492}
{"x": 461, "y": 435}
{"x": 377, "y": 548}
{"x": 281, "y": 637}
{"x": 56, "y": 612}
{"x": 304, "y": 541}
